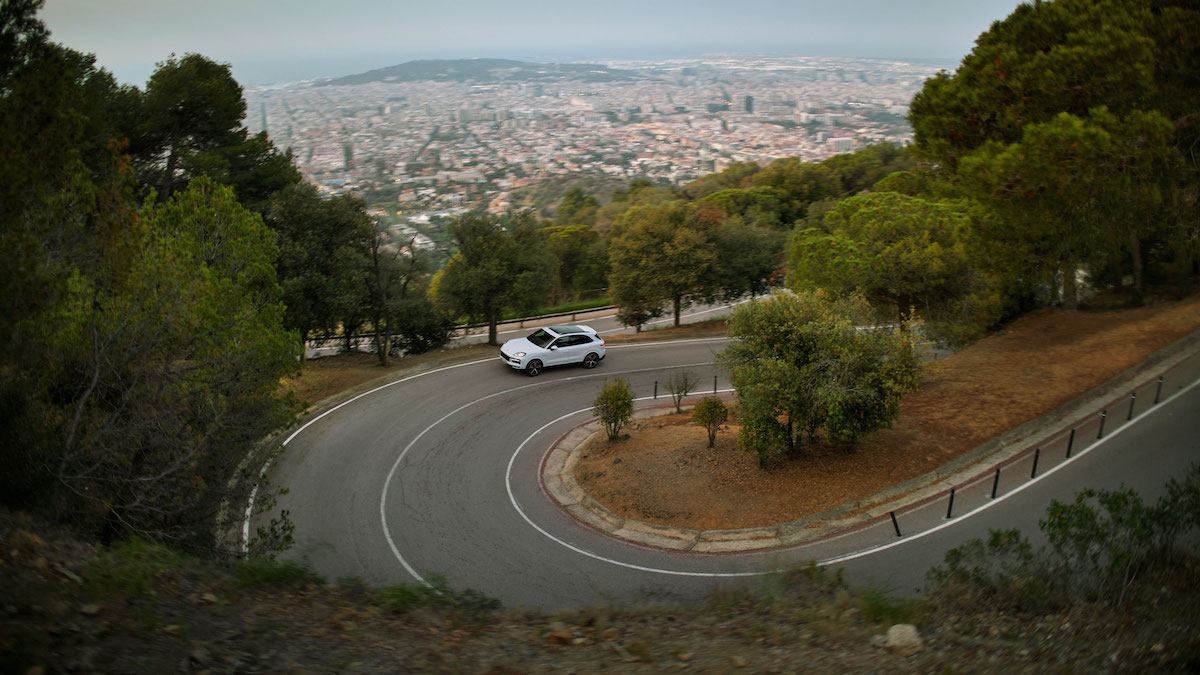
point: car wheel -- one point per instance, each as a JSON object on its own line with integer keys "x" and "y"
{"x": 534, "y": 368}
{"x": 591, "y": 360}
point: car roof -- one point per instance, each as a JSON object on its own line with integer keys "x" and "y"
{"x": 568, "y": 328}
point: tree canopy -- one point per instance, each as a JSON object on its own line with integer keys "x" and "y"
{"x": 494, "y": 269}
{"x": 800, "y": 366}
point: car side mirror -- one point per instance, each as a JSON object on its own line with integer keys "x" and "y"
{"x": 553, "y": 348}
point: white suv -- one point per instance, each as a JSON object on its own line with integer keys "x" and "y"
{"x": 554, "y": 346}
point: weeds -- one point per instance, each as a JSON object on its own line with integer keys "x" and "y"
{"x": 880, "y": 606}
{"x": 129, "y": 568}
{"x": 268, "y": 572}
{"x": 402, "y": 598}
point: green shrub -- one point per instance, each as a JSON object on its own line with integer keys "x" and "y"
{"x": 1003, "y": 569}
{"x": 128, "y": 567}
{"x": 763, "y": 436}
{"x": 614, "y": 406}
{"x": 403, "y": 598}
{"x": 710, "y": 413}
{"x": 263, "y": 572}
{"x": 1097, "y": 546}
{"x": 880, "y": 606}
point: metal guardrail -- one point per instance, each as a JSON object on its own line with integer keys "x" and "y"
{"x": 540, "y": 317}
{"x": 970, "y": 492}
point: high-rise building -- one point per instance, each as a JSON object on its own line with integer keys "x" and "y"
{"x": 841, "y": 144}
{"x": 748, "y": 103}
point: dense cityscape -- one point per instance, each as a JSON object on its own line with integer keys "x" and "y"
{"x": 429, "y": 146}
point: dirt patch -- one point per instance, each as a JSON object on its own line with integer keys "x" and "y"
{"x": 346, "y": 374}
{"x": 664, "y": 472}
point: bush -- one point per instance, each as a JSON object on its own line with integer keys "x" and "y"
{"x": 880, "y": 606}
{"x": 710, "y": 413}
{"x": 1098, "y": 545}
{"x": 763, "y": 436}
{"x": 129, "y": 567}
{"x": 679, "y": 384}
{"x": 262, "y": 572}
{"x": 420, "y": 327}
{"x": 614, "y": 406}
{"x": 1004, "y": 569}
{"x": 402, "y": 598}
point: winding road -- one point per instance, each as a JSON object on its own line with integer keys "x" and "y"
{"x": 437, "y": 473}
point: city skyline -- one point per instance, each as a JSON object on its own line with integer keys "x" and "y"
{"x": 301, "y": 39}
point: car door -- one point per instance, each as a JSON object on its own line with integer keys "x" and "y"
{"x": 570, "y": 349}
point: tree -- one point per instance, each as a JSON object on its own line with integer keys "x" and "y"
{"x": 800, "y": 366}
{"x": 1074, "y": 57}
{"x": 581, "y": 257}
{"x": 1072, "y": 191}
{"x": 747, "y": 259}
{"x": 324, "y": 249}
{"x": 710, "y": 412}
{"x": 661, "y": 254}
{"x": 1044, "y": 59}
{"x": 762, "y": 206}
{"x": 797, "y": 184}
{"x": 614, "y": 406}
{"x": 192, "y": 108}
{"x": 679, "y": 384}
{"x": 902, "y": 253}
{"x": 143, "y": 348}
{"x": 397, "y": 302}
{"x": 736, "y": 175}
{"x": 494, "y": 269}
{"x": 170, "y": 359}
{"x": 576, "y": 208}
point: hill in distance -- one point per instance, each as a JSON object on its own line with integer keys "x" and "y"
{"x": 485, "y": 71}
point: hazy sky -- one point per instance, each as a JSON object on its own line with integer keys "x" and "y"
{"x": 281, "y": 40}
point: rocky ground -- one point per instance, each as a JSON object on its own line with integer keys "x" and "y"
{"x": 66, "y": 606}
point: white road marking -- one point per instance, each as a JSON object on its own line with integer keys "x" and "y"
{"x": 1017, "y": 490}
{"x": 828, "y": 561}
{"x": 267, "y": 465}
{"x": 508, "y": 484}
{"x": 620, "y": 563}
{"x": 392, "y": 472}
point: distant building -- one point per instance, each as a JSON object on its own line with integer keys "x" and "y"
{"x": 748, "y": 103}
{"x": 841, "y": 144}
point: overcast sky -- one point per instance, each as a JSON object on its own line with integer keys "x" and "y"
{"x": 283, "y": 40}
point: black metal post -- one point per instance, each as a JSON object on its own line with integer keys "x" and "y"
{"x": 950, "y": 506}
{"x": 656, "y": 389}
{"x": 894, "y": 523}
{"x": 1158, "y": 390}
{"x": 714, "y": 384}
{"x": 1103, "y": 416}
{"x": 1132, "y": 400}
{"x": 996, "y": 483}
{"x": 1070, "y": 443}
{"x": 1036, "y": 453}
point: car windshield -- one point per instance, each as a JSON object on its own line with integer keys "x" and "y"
{"x": 541, "y": 338}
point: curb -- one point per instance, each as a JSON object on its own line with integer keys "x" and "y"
{"x": 558, "y": 474}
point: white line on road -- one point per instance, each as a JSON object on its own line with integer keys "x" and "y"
{"x": 828, "y": 561}
{"x": 400, "y": 458}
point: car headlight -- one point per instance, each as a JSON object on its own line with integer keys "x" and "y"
{"x": 518, "y": 355}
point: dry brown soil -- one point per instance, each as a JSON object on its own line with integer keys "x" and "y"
{"x": 664, "y": 473}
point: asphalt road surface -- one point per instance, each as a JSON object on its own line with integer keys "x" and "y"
{"x": 438, "y": 474}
